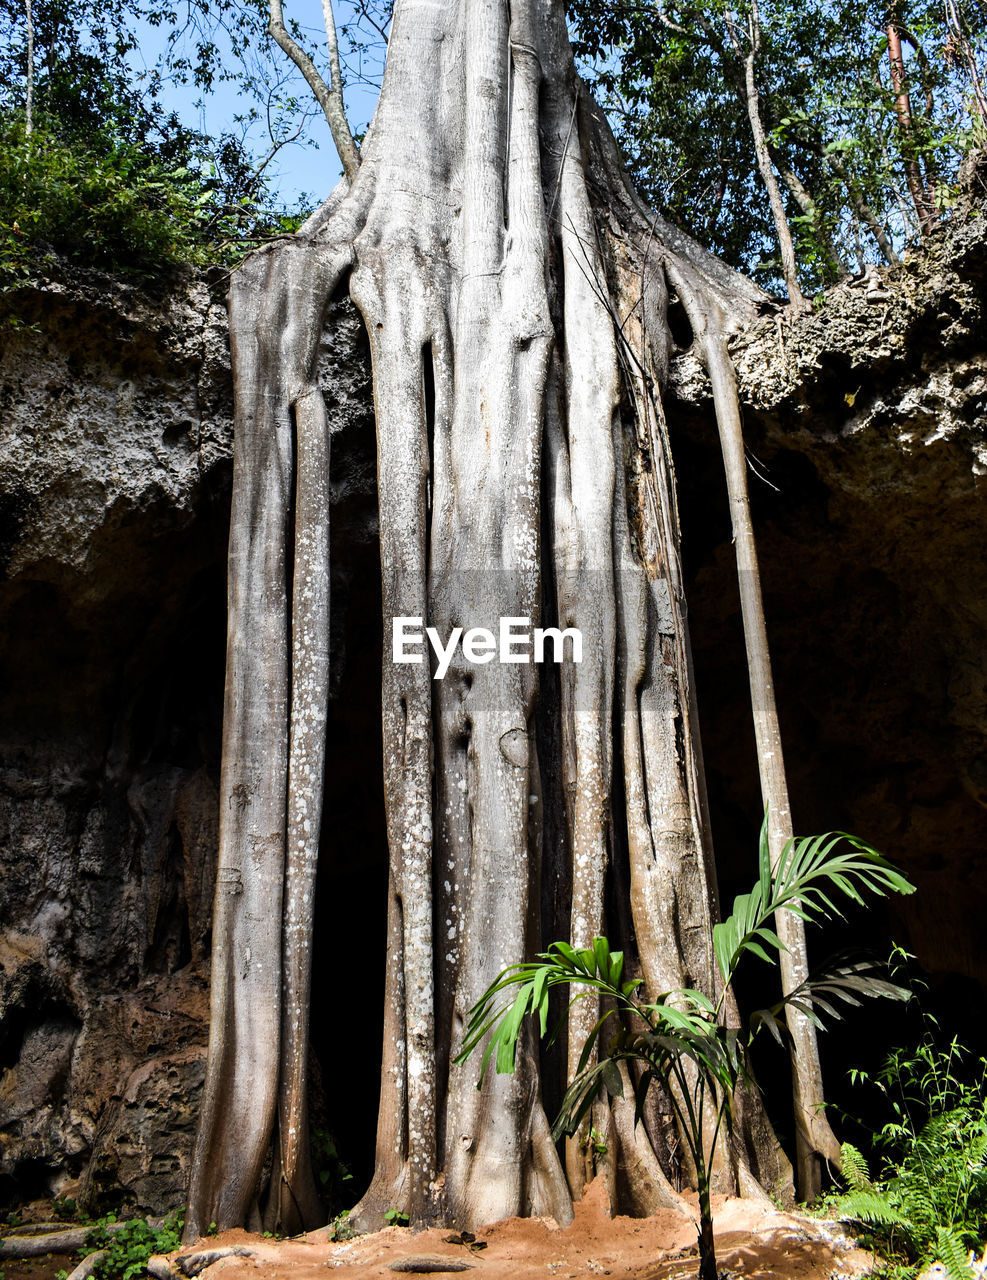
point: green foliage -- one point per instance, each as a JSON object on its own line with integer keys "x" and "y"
{"x": 395, "y": 1218}
{"x": 673, "y": 82}
{"x": 128, "y": 1249}
{"x": 339, "y": 1228}
{"x": 854, "y": 1169}
{"x": 331, "y": 1171}
{"x": 681, "y": 1038}
{"x": 594, "y": 1142}
{"x": 108, "y": 203}
{"x": 113, "y": 209}
{"x": 105, "y": 177}
{"x": 930, "y": 1203}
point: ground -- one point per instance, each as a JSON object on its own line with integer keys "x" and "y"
{"x": 753, "y": 1241}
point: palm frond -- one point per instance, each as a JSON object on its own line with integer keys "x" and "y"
{"x": 802, "y": 882}
{"x": 843, "y": 982}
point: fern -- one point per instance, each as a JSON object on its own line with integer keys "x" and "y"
{"x": 873, "y": 1208}
{"x": 930, "y": 1204}
{"x": 854, "y": 1168}
{"x": 953, "y": 1254}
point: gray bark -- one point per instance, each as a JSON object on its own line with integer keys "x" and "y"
{"x": 498, "y": 256}
{"x": 752, "y": 101}
{"x": 815, "y": 1140}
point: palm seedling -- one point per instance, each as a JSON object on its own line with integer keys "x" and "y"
{"x": 681, "y": 1040}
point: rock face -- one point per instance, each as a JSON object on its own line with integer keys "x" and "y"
{"x": 115, "y": 457}
{"x": 867, "y": 422}
{"x": 867, "y": 418}
{"x": 115, "y": 468}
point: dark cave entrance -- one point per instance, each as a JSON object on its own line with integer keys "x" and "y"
{"x": 349, "y": 950}
{"x": 862, "y": 684}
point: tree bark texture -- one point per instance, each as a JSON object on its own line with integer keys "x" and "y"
{"x": 515, "y": 295}
{"x": 924, "y": 209}
{"x": 814, "y": 1139}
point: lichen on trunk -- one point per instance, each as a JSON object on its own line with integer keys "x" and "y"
{"x": 515, "y": 294}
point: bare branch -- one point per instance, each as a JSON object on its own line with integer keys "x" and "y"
{"x": 330, "y": 97}
{"x": 29, "y": 101}
{"x": 666, "y": 21}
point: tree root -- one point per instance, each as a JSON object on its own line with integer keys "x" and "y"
{"x": 159, "y": 1268}
{"x": 61, "y": 1239}
{"x": 88, "y": 1265}
{"x": 193, "y": 1264}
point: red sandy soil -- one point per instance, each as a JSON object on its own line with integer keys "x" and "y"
{"x": 752, "y": 1241}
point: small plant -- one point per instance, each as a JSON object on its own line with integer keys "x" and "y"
{"x": 681, "y": 1038}
{"x": 395, "y": 1218}
{"x": 930, "y": 1202}
{"x": 594, "y": 1142}
{"x": 331, "y": 1171}
{"x": 340, "y": 1228}
{"x": 127, "y": 1250}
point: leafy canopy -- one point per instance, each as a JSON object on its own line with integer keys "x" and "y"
{"x": 673, "y": 85}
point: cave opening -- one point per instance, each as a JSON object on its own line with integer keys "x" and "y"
{"x": 861, "y": 687}
{"x": 349, "y": 948}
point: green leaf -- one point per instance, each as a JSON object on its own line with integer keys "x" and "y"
{"x": 539, "y": 997}
{"x": 764, "y": 859}
{"x": 759, "y": 951}
{"x": 611, "y": 1079}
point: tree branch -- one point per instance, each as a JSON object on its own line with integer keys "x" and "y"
{"x": 768, "y": 177}
{"x": 330, "y": 97}
{"x": 29, "y": 99}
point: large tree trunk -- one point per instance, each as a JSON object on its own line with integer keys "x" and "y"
{"x": 515, "y": 296}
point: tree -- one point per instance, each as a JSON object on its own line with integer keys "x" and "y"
{"x": 95, "y": 172}
{"x": 830, "y": 97}
{"x": 515, "y": 293}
